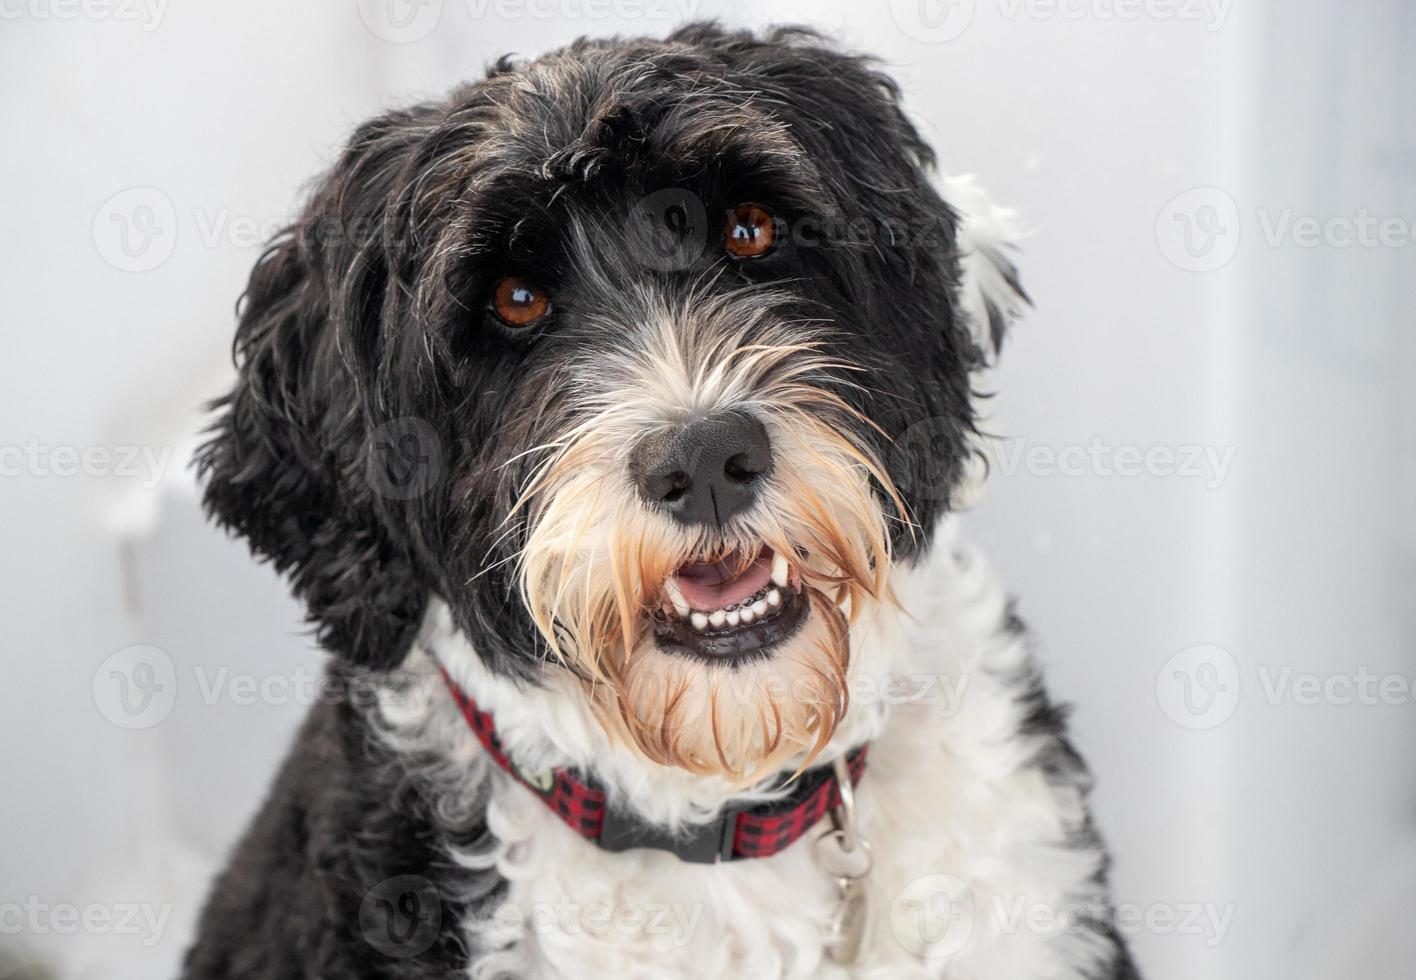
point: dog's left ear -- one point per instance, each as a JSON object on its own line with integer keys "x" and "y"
{"x": 991, "y": 295}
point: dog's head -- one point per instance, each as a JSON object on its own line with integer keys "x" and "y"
{"x": 651, "y": 359}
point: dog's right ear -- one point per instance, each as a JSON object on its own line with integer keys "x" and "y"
{"x": 285, "y": 464}
{"x": 990, "y": 292}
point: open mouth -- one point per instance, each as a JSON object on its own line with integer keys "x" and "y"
{"x": 731, "y": 608}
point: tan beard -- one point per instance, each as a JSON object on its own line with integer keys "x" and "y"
{"x": 740, "y": 721}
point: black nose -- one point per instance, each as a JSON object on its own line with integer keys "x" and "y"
{"x": 707, "y": 471}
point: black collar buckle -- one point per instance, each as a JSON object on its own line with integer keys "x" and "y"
{"x": 706, "y": 843}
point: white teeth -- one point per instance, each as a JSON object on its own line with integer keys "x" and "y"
{"x": 780, "y": 570}
{"x": 770, "y": 600}
{"x": 675, "y": 597}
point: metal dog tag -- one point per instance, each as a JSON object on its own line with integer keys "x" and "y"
{"x": 848, "y": 926}
{"x": 844, "y": 855}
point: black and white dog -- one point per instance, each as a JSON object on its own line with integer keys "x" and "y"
{"x": 607, "y": 415}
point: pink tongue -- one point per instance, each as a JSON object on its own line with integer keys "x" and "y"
{"x": 710, "y": 585}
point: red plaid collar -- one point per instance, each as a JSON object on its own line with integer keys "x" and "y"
{"x": 752, "y": 832}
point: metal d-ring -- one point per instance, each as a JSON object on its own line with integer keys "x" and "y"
{"x": 843, "y": 817}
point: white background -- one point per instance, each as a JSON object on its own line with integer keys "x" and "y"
{"x": 1296, "y": 359}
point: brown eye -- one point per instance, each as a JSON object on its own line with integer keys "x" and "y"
{"x": 751, "y": 231}
{"x": 518, "y": 303}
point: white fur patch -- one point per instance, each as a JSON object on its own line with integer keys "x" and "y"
{"x": 969, "y": 836}
{"x": 988, "y": 234}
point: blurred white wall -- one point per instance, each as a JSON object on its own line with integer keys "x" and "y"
{"x": 146, "y": 158}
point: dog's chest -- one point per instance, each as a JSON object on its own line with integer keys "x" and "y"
{"x": 953, "y": 856}
{"x": 980, "y": 848}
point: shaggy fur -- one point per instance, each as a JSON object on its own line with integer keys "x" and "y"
{"x": 446, "y": 490}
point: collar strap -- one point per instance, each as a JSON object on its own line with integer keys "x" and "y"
{"x": 750, "y": 832}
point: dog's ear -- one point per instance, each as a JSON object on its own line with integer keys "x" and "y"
{"x": 991, "y": 295}
{"x": 287, "y": 465}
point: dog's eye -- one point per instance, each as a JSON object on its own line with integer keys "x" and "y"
{"x": 751, "y": 231}
{"x": 518, "y": 303}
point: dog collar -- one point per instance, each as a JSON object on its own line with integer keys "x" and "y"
{"x": 748, "y": 832}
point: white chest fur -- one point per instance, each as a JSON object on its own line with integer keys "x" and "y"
{"x": 980, "y": 856}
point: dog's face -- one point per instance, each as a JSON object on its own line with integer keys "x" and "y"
{"x": 647, "y": 320}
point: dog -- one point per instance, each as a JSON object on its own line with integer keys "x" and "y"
{"x": 611, "y": 418}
